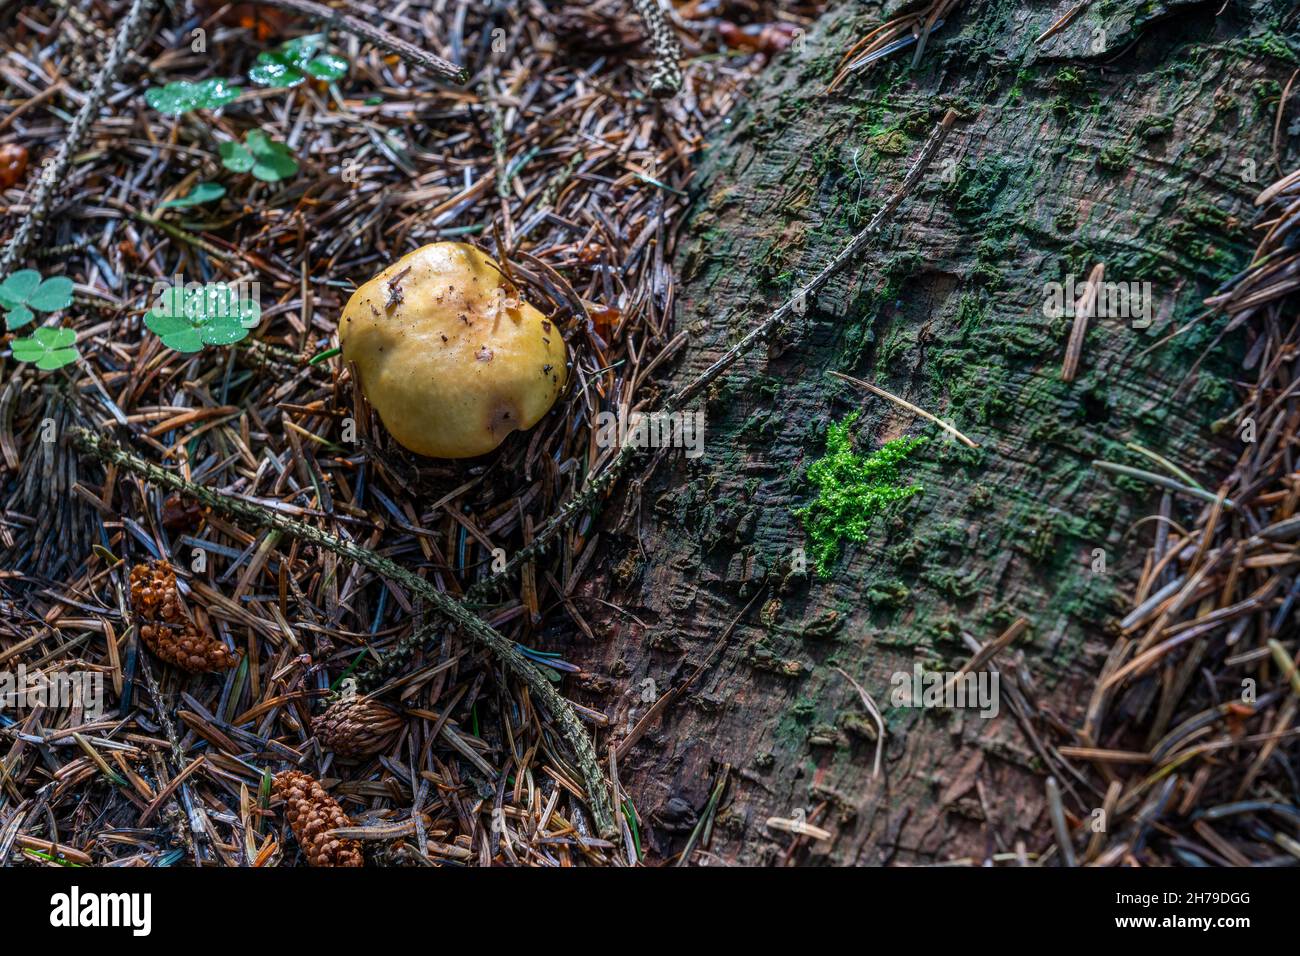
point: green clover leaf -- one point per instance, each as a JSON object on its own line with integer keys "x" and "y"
{"x": 183, "y": 96}
{"x": 295, "y": 61}
{"x": 271, "y": 71}
{"x": 201, "y": 193}
{"x": 235, "y": 157}
{"x": 18, "y": 288}
{"x": 328, "y": 67}
{"x": 187, "y": 320}
{"x": 273, "y": 161}
{"x": 25, "y": 290}
{"x": 47, "y": 348}
{"x": 176, "y": 332}
{"x": 222, "y": 330}
{"x": 51, "y": 295}
{"x": 18, "y": 316}
{"x": 266, "y": 159}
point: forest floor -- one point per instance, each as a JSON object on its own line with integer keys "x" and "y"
{"x": 291, "y": 154}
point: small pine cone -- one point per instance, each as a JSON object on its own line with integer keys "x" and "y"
{"x": 358, "y": 727}
{"x": 165, "y": 625}
{"x": 312, "y": 813}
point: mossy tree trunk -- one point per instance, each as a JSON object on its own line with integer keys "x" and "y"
{"x": 1136, "y": 152}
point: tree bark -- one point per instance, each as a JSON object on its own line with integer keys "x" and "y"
{"x": 1130, "y": 139}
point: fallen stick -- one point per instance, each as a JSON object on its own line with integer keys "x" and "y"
{"x": 1064, "y": 21}
{"x": 666, "y": 78}
{"x": 409, "y": 52}
{"x": 1056, "y": 811}
{"x": 872, "y": 709}
{"x": 988, "y": 651}
{"x": 670, "y": 697}
{"x": 1161, "y": 481}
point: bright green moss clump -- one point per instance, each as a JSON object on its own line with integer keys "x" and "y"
{"x": 851, "y": 490}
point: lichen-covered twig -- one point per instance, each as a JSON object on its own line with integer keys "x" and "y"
{"x": 666, "y": 77}
{"x": 676, "y": 402}
{"x": 385, "y": 41}
{"x": 56, "y": 173}
{"x": 502, "y": 649}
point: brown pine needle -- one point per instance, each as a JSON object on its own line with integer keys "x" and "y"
{"x": 1063, "y": 22}
{"x": 1083, "y": 311}
{"x": 877, "y": 390}
{"x": 875, "y": 715}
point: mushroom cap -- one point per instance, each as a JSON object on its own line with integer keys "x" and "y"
{"x": 449, "y": 353}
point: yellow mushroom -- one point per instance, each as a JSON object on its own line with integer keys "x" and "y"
{"x": 449, "y": 353}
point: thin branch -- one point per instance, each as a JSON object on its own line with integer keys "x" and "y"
{"x": 194, "y": 836}
{"x": 988, "y": 651}
{"x": 501, "y": 648}
{"x": 796, "y": 303}
{"x": 1064, "y": 21}
{"x": 670, "y": 697}
{"x": 666, "y": 78}
{"x": 1084, "y": 310}
{"x": 385, "y": 41}
{"x": 580, "y": 502}
{"x": 1056, "y": 811}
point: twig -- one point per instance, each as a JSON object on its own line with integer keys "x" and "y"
{"x": 677, "y": 401}
{"x": 797, "y": 827}
{"x": 51, "y": 91}
{"x": 666, "y": 78}
{"x": 1277, "y": 122}
{"x": 1166, "y": 464}
{"x": 829, "y": 271}
{"x": 877, "y": 390}
{"x": 386, "y": 41}
{"x": 706, "y": 818}
{"x": 194, "y": 836}
{"x": 556, "y": 523}
{"x": 503, "y": 650}
{"x": 892, "y": 36}
{"x": 55, "y": 174}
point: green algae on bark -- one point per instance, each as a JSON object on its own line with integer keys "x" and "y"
{"x": 851, "y": 490}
